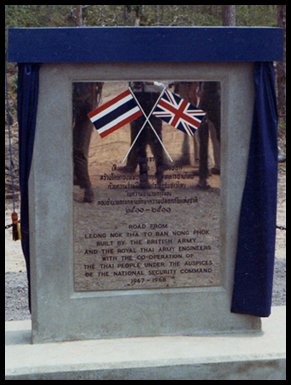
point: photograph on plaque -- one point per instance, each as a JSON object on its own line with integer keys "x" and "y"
{"x": 146, "y": 158}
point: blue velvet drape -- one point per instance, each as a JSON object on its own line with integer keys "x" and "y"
{"x": 257, "y": 231}
{"x": 28, "y": 86}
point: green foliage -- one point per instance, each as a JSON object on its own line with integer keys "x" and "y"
{"x": 37, "y": 15}
{"x": 257, "y": 15}
{"x": 121, "y": 15}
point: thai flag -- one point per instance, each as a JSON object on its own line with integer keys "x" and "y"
{"x": 179, "y": 113}
{"x": 115, "y": 114}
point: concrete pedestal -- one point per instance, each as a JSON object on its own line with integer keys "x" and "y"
{"x": 253, "y": 356}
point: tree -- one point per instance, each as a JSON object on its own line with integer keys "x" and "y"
{"x": 229, "y": 15}
{"x": 137, "y": 9}
{"x": 251, "y": 12}
{"x": 79, "y": 18}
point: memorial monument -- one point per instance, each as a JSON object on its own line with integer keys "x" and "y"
{"x": 135, "y": 178}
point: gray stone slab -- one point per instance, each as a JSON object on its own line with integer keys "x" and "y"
{"x": 61, "y": 314}
{"x": 237, "y": 356}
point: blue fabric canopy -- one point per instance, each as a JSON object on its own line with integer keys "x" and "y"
{"x": 256, "y": 241}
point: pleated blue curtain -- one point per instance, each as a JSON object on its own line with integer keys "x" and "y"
{"x": 28, "y": 87}
{"x": 255, "y": 258}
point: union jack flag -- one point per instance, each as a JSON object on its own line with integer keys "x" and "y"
{"x": 179, "y": 113}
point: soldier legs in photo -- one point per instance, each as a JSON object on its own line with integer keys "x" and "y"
{"x": 157, "y": 149}
{"x": 84, "y": 101}
{"x": 203, "y": 165}
{"x": 210, "y": 102}
{"x": 82, "y": 136}
{"x": 138, "y": 155}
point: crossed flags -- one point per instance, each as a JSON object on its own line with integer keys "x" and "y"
{"x": 125, "y": 108}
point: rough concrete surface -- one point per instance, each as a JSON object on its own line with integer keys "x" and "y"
{"x": 239, "y": 356}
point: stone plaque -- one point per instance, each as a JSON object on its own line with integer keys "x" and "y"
{"x": 147, "y": 191}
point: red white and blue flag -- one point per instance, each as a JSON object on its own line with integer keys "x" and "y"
{"x": 115, "y": 114}
{"x": 179, "y": 113}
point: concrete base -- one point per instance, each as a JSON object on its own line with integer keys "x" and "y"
{"x": 256, "y": 356}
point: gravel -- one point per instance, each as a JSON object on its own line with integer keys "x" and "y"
{"x": 16, "y": 297}
{"x": 16, "y": 292}
{"x": 280, "y": 283}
